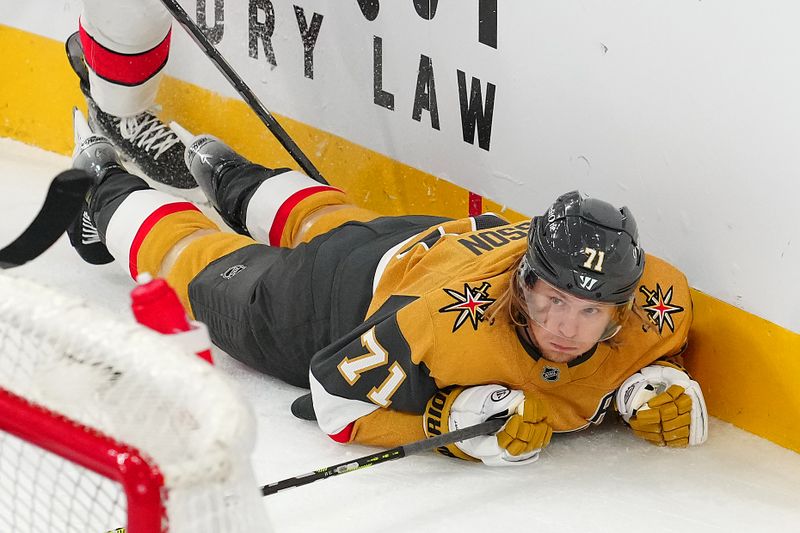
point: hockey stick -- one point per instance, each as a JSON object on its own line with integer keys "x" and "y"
{"x": 61, "y": 206}
{"x": 244, "y": 91}
{"x": 484, "y": 428}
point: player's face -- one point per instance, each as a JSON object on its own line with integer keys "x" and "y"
{"x": 564, "y": 326}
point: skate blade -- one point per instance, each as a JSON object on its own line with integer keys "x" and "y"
{"x": 194, "y": 195}
{"x": 80, "y": 127}
{"x": 183, "y": 134}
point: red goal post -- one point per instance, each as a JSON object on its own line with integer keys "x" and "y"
{"x": 105, "y": 424}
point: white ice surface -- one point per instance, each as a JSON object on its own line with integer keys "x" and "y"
{"x": 594, "y": 481}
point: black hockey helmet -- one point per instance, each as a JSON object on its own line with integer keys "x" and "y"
{"x": 585, "y": 247}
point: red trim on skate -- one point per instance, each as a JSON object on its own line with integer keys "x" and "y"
{"x": 147, "y": 225}
{"x": 124, "y": 69}
{"x": 282, "y": 215}
{"x": 343, "y": 437}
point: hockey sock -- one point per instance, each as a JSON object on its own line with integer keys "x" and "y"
{"x": 252, "y": 199}
{"x": 140, "y": 225}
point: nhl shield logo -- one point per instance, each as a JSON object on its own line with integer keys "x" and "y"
{"x": 232, "y": 271}
{"x": 550, "y": 374}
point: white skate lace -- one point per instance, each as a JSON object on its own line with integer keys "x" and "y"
{"x": 146, "y": 131}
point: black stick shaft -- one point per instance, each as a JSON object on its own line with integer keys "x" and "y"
{"x": 244, "y": 91}
{"x": 484, "y": 428}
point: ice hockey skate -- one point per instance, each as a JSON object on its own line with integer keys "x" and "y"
{"x": 209, "y": 160}
{"x": 145, "y": 144}
{"x": 95, "y": 155}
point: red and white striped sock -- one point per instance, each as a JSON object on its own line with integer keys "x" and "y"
{"x": 125, "y": 45}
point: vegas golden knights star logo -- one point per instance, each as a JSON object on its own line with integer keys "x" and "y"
{"x": 659, "y": 307}
{"x": 471, "y": 304}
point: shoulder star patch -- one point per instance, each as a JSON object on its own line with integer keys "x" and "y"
{"x": 659, "y": 307}
{"x": 471, "y": 304}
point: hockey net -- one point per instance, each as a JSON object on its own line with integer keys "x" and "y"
{"x": 105, "y": 425}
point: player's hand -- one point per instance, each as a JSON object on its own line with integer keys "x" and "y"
{"x": 527, "y": 430}
{"x": 663, "y": 405}
{"x": 666, "y": 419}
{"x": 518, "y": 442}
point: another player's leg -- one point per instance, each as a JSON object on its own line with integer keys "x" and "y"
{"x": 118, "y": 54}
{"x": 280, "y": 207}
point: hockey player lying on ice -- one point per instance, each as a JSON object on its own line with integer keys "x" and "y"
{"x": 412, "y": 325}
{"x": 404, "y": 326}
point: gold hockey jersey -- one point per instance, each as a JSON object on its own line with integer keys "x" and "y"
{"x": 427, "y": 328}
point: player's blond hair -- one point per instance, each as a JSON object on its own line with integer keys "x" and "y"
{"x": 509, "y": 300}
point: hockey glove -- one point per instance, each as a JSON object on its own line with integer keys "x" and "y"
{"x": 518, "y": 442}
{"x": 664, "y": 406}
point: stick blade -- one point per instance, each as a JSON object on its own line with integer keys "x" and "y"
{"x": 61, "y": 205}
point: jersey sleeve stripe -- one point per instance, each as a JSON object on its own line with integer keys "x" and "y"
{"x": 334, "y": 413}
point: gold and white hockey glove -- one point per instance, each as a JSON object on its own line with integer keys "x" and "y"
{"x": 664, "y": 406}
{"x": 518, "y": 442}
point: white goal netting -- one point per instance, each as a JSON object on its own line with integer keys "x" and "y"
{"x": 105, "y": 424}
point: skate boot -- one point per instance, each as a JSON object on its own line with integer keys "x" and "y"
{"x": 142, "y": 141}
{"x": 96, "y": 156}
{"x": 209, "y": 160}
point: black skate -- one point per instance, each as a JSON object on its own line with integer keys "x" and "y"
{"x": 84, "y": 238}
{"x": 95, "y": 155}
{"x": 209, "y": 159}
{"x": 142, "y": 141}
